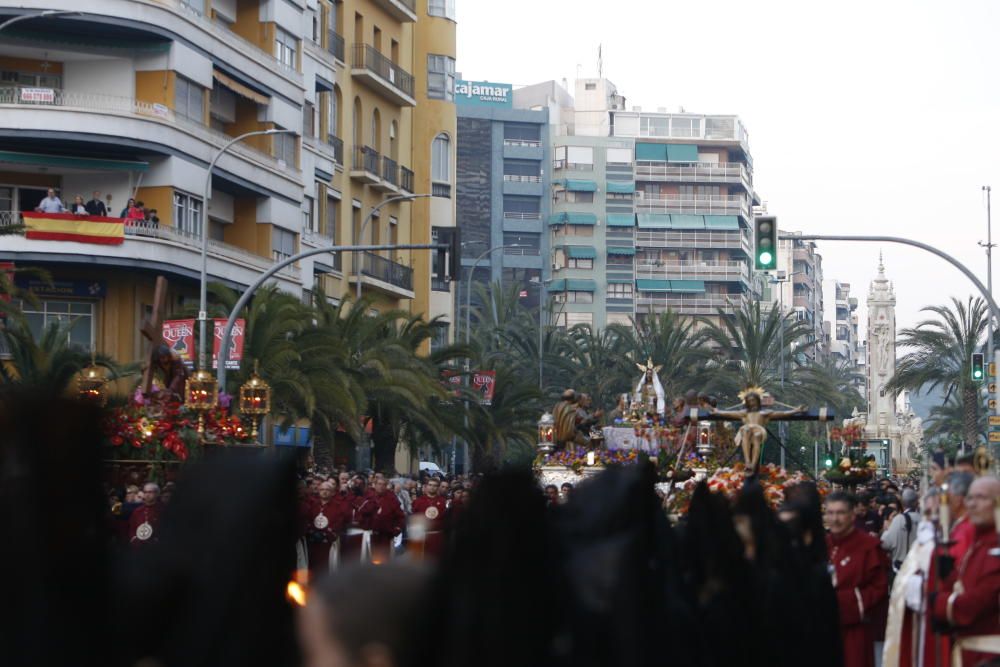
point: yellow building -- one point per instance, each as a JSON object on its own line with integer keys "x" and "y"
{"x": 134, "y": 98}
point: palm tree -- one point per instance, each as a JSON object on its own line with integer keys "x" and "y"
{"x": 940, "y": 357}
{"x": 833, "y": 382}
{"x": 754, "y": 348}
{"x": 669, "y": 341}
{"x": 945, "y": 425}
{"x": 49, "y": 363}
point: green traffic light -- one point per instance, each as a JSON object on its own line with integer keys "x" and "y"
{"x": 829, "y": 462}
{"x": 978, "y": 373}
{"x": 766, "y": 258}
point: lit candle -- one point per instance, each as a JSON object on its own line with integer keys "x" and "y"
{"x": 944, "y": 513}
{"x": 590, "y": 458}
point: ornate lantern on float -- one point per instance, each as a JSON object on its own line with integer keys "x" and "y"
{"x": 201, "y": 394}
{"x": 92, "y": 385}
{"x": 255, "y": 399}
{"x": 546, "y": 433}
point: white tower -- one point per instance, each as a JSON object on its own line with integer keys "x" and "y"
{"x": 881, "y": 355}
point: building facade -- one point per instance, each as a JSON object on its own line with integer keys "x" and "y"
{"x": 503, "y": 190}
{"x": 134, "y": 99}
{"x": 845, "y": 344}
{"x": 798, "y": 289}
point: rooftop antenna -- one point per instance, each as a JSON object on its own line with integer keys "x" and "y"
{"x": 600, "y": 62}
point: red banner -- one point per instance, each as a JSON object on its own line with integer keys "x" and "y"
{"x": 71, "y": 227}
{"x": 453, "y": 379}
{"x": 179, "y": 336}
{"x": 236, "y": 339}
{"x": 485, "y": 382}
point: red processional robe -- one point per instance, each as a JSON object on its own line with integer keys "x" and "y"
{"x": 144, "y": 525}
{"x": 861, "y": 584}
{"x": 434, "y": 510}
{"x": 386, "y": 524}
{"x": 970, "y": 599}
{"x": 322, "y": 524}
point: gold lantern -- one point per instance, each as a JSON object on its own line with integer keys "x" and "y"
{"x": 92, "y": 385}
{"x": 546, "y": 433}
{"x": 255, "y": 399}
{"x": 201, "y": 394}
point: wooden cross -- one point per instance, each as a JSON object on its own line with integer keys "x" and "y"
{"x": 152, "y": 330}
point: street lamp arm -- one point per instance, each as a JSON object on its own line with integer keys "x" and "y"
{"x": 255, "y": 285}
{"x": 48, "y": 13}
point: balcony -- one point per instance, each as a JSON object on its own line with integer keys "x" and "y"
{"x": 522, "y": 215}
{"x": 365, "y": 167}
{"x": 390, "y": 176}
{"x": 693, "y": 204}
{"x": 698, "y": 270}
{"x": 386, "y": 276}
{"x": 694, "y": 304}
{"x": 701, "y": 172}
{"x": 406, "y": 180}
{"x": 522, "y": 178}
{"x": 335, "y": 45}
{"x": 336, "y": 144}
{"x": 382, "y": 75}
{"x": 404, "y": 11}
{"x": 670, "y": 239}
{"x": 441, "y": 190}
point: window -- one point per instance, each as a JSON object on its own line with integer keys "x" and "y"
{"x": 619, "y": 261}
{"x": 440, "y": 77}
{"x": 620, "y": 291}
{"x": 441, "y": 159}
{"x": 309, "y": 124}
{"x": 573, "y": 297}
{"x": 522, "y": 207}
{"x": 284, "y": 148}
{"x": 580, "y": 158}
{"x": 568, "y": 320}
{"x": 620, "y": 196}
{"x": 623, "y": 319}
{"x": 309, "y": 220}
{"x": 530, "y": 243}
{"x": 590, "y": 86}
{"x": 439, "y": 336}
{"x": 187, "y": 213}
{"x": 189, "y": 100}
{"x": 77, "y": 316}
{"x": 574, "y": 263}
{"x": 522, "y": 170}
{"x": 286, "y": 48}
{"x": 619, "y": 156}
{"x": 524, "y": 134}
{"x": 333, "y": 122}
{"x": 685, "y": 127}
{"x": 654, "y": 126}
{"x": 440, "y": 260}
{"x": 331, "y": 219}
{"x": 442, "y": 8}
{"x": 282, "y": 244}
{"x": 571, "y": 197}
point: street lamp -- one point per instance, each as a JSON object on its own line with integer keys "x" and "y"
{"x": 468, "y": 289}
{"x": 203, "y": 300}
{"x": 364, "y": 227}
{"x": 48, "y": 13}
{"x": 781, "y": 344}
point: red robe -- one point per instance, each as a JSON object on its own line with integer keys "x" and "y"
{"x": 861, "y": 585}
{"x": 361, "y": 509}
{"x": 144, "y": 514}
{"x": 974, "y": 609}
{"x": 386, "y": 524}
{"x": 435, "y": 511}
{"x": 319, "y": 541}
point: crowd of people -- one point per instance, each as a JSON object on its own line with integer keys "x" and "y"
{"x": 134, "y": 213}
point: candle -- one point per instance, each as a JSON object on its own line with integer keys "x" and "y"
{"x": 944, "y": 513}
{"x": 590, "y": 458}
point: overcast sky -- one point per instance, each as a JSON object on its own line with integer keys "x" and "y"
{"x": 864, "y": 117}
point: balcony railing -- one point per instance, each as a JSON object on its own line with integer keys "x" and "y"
{"x": 672, "y": 239}
{"x": 522, "y": 215}
{"x": 390, "y": 171}
{"x": 441, "y": 189}
{"x": 368, "y": 58}
{"x": 522, "y": 252}
{"x": 523, "y": 143}
{"x": 708, "y": 270}
{"x": 522, "y": 178}
{"x": 387, "y": 271}
{"x": 337, "y": 144}
{"x": 335, "y": 45}
{"x": 572, "y": 166}
{"x": 406, "y": 179}
{"x": 694, "y": 304}
{"x": 701, "y": 172}
{"x": 23, "y": 96}
{"x": 366, "y": 159}
{"x": 693, "y": 204}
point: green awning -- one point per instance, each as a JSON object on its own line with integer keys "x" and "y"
{"x": 654, "y": 221}
{"x": 621, "y": 187}
{"x": 682, "y": 153}
{"x": 581, "y": 252}
{"x": 722, "y": 222}
{"x": 651, "y": 285}
{"x": 650, "y": 152}
{"x": 687, "y": 286}
{"x": 558, "y": 285}
{"x": 687, "y": 221}
{"x": 580, "y": 285}
{"x": 92, "y": 163}
{"x": 568, "y": 218}
{"x": 621, "y": 250}
{"x": 621, "y": 220}
{"x": 577, "y": 184}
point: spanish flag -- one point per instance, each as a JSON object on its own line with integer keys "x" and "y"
{"x": 70, "y": 227}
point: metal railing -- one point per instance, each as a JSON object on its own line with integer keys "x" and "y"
{"x": 671, "y": 239}
{"x": 10, "y": 219}
{"x": 699, "y": 172}
{"x": 524, "y": 143}
{"x": 337, "y": 144}
{"x": 367, "y": 57}
{"x": 520, "y": 178}
{"x": 522, "y": 215}
{"x": 390, "y": 171}
{"x": 693, "y": 204}
{"x": 522, "y": 252}
{"x": 680, "y": 270}
{"x": 406, "y": 179}
{"x": 366, "y": 159}
{"x": 53, "y": 97}
{"x": 441, "y": 190}
{"x": 335, "y": 44}
{"x": 386, "y": 270}
{"x": 685, "y": 304}
{"x": 572, "y": 166}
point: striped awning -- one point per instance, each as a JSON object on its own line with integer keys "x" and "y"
{"x": 653, "y": 221}
{"x": 240, "y": 89}
{"x": 580, "y": 252}
{"x": 621, "y": 187}
{"x": 577, "y": 184}
{"x": 621, "y": 220}
{"x": 621, "y": 250}
{"x": 722, "y": 222}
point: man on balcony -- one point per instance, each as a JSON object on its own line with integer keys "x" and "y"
{"x": 51, "y": 204}
{"x": 95, "y": 206}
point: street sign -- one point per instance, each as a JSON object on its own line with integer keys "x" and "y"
{"x": 992, "y": 404}
{"x": 994, "y": 436}
{"x": 994, "y": 420}
{"x": 991, "y": 369}
{"x": 992, "y": 387}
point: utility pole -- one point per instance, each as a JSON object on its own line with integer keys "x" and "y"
{"x": 992, "y": 352}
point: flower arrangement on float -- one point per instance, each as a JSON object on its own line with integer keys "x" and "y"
{"x": 578, "y": 458}
{"x": 729, "y": 481}
{"x": 854, "y": 465}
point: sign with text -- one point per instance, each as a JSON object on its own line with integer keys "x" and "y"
{"x": 86, "y": 289}
{"x": 236, "y": 339}
{"x": 44, "y": 95}
{"x": 485, "y": 382}
{"x": 484, "y": 94}
{"x": 179, "y": 337}
{"x": 994, "y": 420}
{"x": 994, "y": 436}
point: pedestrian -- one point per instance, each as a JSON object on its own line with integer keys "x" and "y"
{"x": 552, "y": 495}
{"x": 323, "y": 520}
{"x": 144, "y": 523}
{"x": 387, "y": 522}
{"x": 858, "y": 567}
{"x": 51, "y": 203}
{"x": 902, "y": 532}
{"x": 95, "y": 206}
{"x": 431, "y": 509}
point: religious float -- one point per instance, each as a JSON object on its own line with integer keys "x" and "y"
{"x": 689, "y": 441}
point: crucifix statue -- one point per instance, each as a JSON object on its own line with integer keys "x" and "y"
{"x": 753, "y": 433}
{"x": 163, "y": 372}
{"x": 650, "y": 390}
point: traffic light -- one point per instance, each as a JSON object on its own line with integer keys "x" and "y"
{"x": 765, "y": 243}
{"x": 828, "y": 462}
{"x": 978, "y": 367}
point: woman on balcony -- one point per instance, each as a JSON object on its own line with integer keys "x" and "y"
{"x": 78, "y": 207}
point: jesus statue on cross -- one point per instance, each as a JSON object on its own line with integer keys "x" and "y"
{"x": 753, "y": 433}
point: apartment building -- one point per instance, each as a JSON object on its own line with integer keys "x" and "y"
{"x": 797, "y": 288}
{"x": 845, "y": 343}
{"x": 135, "y": 98}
